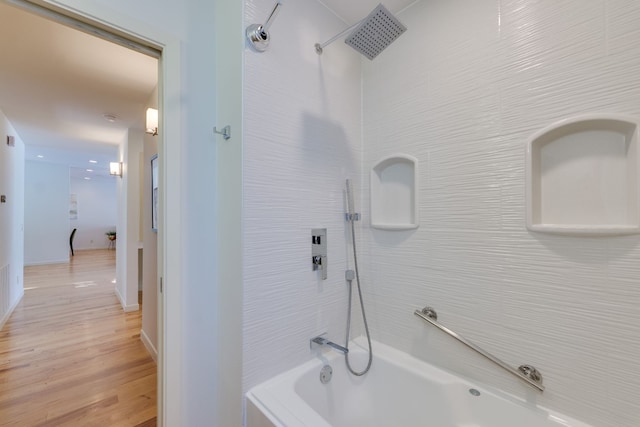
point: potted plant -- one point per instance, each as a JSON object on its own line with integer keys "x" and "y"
{"x": 111, "y": 235}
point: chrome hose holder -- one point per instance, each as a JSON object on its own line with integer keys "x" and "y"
{"x": 350, "y": 217}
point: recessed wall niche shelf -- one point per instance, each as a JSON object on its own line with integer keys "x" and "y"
{"x": 582, "y": 177}
{"x": 394, "y": 193}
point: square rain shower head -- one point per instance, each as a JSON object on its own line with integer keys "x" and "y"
{"x": 375, "y": 32}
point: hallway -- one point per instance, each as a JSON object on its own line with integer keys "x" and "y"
{"x": 69, "y": 355}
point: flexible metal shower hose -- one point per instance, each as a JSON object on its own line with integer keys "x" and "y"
{"x": 364, "y": 316}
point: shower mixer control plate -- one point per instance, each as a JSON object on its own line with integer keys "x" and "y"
{"x": 319, "y": 251}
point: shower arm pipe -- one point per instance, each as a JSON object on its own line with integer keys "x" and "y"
{"x": 425, "y": 315}
{"x": 337, "y": 36}
{"x": 320, "y": 46}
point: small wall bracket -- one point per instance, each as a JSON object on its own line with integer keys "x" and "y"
{"x": 225, "y": 132}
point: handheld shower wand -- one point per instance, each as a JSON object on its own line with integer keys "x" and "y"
{"x": 351, "y": 215}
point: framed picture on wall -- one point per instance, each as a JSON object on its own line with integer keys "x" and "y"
{"x": 154, "y": 193}
{"x": 73, "y": 207}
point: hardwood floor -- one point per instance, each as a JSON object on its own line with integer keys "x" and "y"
{"x": 69, "y": 355}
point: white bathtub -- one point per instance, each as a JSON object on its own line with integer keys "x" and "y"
{"x": 398, "y": 391}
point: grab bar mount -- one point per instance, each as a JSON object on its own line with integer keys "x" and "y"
{"x": 430, "y": 313}
{"x": 526, "y": 373}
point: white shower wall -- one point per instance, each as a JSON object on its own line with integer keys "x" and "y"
{"x": 462, "y": 91}
{"x": 302, "y": 139}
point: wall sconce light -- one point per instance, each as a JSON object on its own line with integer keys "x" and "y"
{"x": 115, "y": 168}
{"x": 152, "y": 121}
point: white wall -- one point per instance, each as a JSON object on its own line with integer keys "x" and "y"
{"x": 46, "y": 226}
{"x": 226, "y": 260}
{"x": 127, "y": 243}
{"x": 462, "y": 90}
{"x": 11, "y": 219}
{"x": 97, "y": 211}
{"x": 301, "y": 141}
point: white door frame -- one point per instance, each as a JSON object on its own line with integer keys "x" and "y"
{"x": 170, "y": 270}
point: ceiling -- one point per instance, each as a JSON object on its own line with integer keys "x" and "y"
{"x": 57, "y": 84}
{"x": 354, "y": 11}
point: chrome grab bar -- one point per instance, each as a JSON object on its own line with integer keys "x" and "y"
{"x": 526, "y": 373}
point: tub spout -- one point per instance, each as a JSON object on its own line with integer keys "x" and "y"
{"x": 322, "y": 341}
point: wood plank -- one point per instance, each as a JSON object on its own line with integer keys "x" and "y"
{"x": 69, "y": 355}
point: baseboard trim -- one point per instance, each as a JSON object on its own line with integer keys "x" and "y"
{"x": 126, "y": 308}
{"x": 149, "y": 345}
{"x": 92, "y": 248}
{"x": 9, "y": 312}
{"x": 51, "y": 262}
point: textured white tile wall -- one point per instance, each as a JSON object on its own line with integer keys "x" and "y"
{"x": 302, "y": 139}
{"x": 462, "y": 90}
